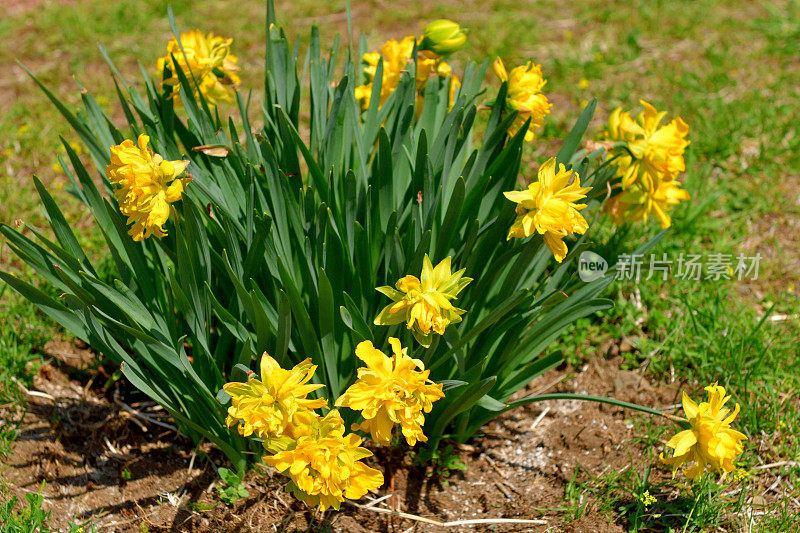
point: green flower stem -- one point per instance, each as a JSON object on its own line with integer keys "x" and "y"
{"x": 600, "y": 399}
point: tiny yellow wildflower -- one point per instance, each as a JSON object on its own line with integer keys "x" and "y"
{"x": 267, "y": 406}
{"x": 710, "y": 441}
{"x": 424, "y": 303}
{"x": 391, "y": 390}
{"x": 583, "y": 84}
{"x": 548, "y": 207}
{"x": 145, "y": 192}
{"x": 206, "y": 61}
{"x": 646, "y": 498}
{"x": 324, "y": 465}
{"x": 740, "y": 474}
{"x": 525, "y": 84}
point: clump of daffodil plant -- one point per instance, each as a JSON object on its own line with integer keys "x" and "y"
{"x": 361, "y": 218}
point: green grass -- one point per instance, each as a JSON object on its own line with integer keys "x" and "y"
{"x": 728, "y": 68}
{"x": 24, "y": 518}
{"x": 30, "y": 516}
{"x": 23, "y": 333}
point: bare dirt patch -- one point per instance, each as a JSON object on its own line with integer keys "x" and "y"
{"x": 98, "y": 461}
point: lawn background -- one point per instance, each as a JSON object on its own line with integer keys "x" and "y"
{"x": 731, "y": 70}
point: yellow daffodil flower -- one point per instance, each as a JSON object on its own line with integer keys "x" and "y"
{"x": 207, "y": 63}
{"x": 267, "y": 406}
{"x": 649, "y": 158}
{"x": 637, "y": 204}
{"x": 548, "y": 207}
{"x": 652, "y": 152}
{"x": 391, "y": 390}
{"x": 424, "y": 303}
{"x": 395, "y": 57}
{"x": 525, "y": 84}
{"x": 710, "y": 441}
{"x": 659, "y": 148}
{"x": 324, "y": 465}
{"x": 147, "y": 186}
{"x": 455, "y": 85}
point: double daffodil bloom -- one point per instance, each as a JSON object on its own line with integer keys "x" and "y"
{"x": 525, "y": 84}
{"x": 207, "y": 63}
{"x": 391, "y": 390}
{"x": 659, "y": 149}
{"x": 147, "y": 185}
{"x": 638, "y": 203}
{"x": 424, "y": 303}
{"x": 549, "y": 207}
{"x": 324, "y": 465}
{"x": 649, "y": 158}
{"x": 267, "y": 406}
{"x": 710, "y": 441}
{"x": 395, "y": 57}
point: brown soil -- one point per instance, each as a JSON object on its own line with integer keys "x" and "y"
{"x": 99, "y": 462}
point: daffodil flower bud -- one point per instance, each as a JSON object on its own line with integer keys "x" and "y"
{"x": 443, "y": 37}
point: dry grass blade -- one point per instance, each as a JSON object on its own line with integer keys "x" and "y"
{"x": 454, "y": 523}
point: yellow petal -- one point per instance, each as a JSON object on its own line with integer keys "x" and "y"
{"x": 689, "y": 406}
{"x": 500, "y": 69}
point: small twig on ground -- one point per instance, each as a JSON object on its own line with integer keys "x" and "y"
{"x": 44, "y": 499}
{"x": 89, "y": 385}
{"x": 504, "y": 490}
{"x": 731, "y": 493}
{"x": 110, "y": 446}
{"x": 493, "y": 464}
{"x": 376, "y": 501}
{"x": 449, "y": 524}
{"x": 100, "y": 423}
{"x": 636, "y": 296}
{"x": 189, "y": 472}
{"x": 549, "y": 386}
{"x": 660, "y": 346}
{"x": 283, "y": 502}
{"x": 776, "y": 465}
{"x": 781, "y": 318}
{"x": 772, "y": 487}
{"x": 29, "y": 392}
{"x": 139, "y": 516}
{"x": 511, "y": 486}
{"x": 540, "y": 418}
{"x": 143, "y": 416}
